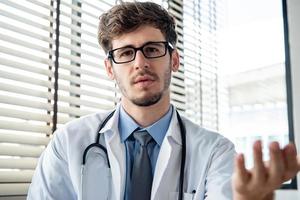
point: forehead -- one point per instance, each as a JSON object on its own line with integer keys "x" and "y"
{"x": 138, "y": 37}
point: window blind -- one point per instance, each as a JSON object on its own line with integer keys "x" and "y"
{"x": 83, "y": 86}
{"x": 201, "y": 24}
{"x": 27, "y": 47}
{"x": 25, "y": 91}
{"x": 178, "y": 99}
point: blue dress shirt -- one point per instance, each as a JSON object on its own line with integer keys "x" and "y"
{"x": 157, "y": 130}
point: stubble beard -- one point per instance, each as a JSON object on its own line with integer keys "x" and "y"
{"x": 154, "y": 98}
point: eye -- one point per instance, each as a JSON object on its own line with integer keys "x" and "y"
{"x": 151, "y": 49}
{"x": 154, "y": 50}
{"x": 127, "y": 52}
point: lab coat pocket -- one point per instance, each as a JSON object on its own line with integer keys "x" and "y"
{"x": 96, "y": 177}
{"x": 186, "y": 196}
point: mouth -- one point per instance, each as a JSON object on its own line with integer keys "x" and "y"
{"x": 144, "y": 81}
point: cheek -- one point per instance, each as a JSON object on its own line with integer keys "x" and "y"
{"x": 121, "y": 77}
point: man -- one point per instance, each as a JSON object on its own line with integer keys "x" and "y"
{"x": 142, "y": 137}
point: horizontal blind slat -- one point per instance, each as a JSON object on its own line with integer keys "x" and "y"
{"x": 20, "y": 150}
{"x": 68, "y": 99}
{"x": 36, "y": 104}
{"x": 78, "y": 29}
{"x": 25, "y": 67}
{"x": 24, "y": 102}
{"x": 78, "y": 9}
{"x": 80, "y": 50}
{"x": 26, "y": 21}
{"x": 79, "y": 101}
{"x": 24, "y": 55}
{"x": 23, "y": 138}
{"x": 25, "y": 91}
{"x": 81, "y": 81}
{"x": 18, "y": 197}
{"x": 23, "y": 31}
{"x": 26, "y": 44}
{"x": 178, "y": 97}
{"x": 73, "y": 111}
{"x": 41, "y": 4}
{"x": 79, "y": 40}
{"x": 101, "y": 6}
{"x": 79, "y": 60}
{"x": 22, "y": 176}
{"x": 78, "y": 70}
{"x": 18, "y": 163}
{"x": 177, "y": 89}
{"x": 26, "y": 115}
{"x": 14, "y": 188}
{"x": 79, "y": 91}
{"x": 74, "y": 17}
{"x": 28, "y": 10}
{"x": 23, "y": 126}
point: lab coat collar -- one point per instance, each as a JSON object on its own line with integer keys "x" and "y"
{"x": 111, "y": 127}
{"x": 174, "y": 128}
{"x": 168, "y": 162}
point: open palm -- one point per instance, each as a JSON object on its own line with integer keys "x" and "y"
{"x": 260, "y": 182}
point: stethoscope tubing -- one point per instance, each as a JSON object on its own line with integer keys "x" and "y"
{"x": 183, "y": 155}
{"x": 97, "y": 143}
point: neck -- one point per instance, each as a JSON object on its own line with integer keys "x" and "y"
{"x": 147, "y": 115}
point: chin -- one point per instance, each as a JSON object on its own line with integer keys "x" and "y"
{"x": 147, "y": 101}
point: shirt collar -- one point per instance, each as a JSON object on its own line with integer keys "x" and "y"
{"x": 157, "y": 130}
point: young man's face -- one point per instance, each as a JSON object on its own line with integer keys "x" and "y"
{"x": 143, "y": 81}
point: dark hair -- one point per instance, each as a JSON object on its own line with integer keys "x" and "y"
{"x": 128, "y": 16}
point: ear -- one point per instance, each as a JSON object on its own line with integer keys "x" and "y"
{"x": 175, "y": 60}
{"x": 109, "y": 68}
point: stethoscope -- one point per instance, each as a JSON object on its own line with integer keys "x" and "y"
{"x": 103, "y": 148}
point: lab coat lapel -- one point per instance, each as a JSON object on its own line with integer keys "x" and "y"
{"x": 116, "y": 154}
{"x": 167, "y": 170}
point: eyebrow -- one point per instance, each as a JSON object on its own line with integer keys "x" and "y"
{"x": 131, "y": 46}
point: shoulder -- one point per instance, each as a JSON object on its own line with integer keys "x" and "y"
{"x": 205, "y": 139}
{"x": 83, "y": 124}
{"x": 79, "y": 132}
{"x": 87, "y": 122}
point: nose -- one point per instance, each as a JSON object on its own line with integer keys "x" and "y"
{"x": 140, "y": 60}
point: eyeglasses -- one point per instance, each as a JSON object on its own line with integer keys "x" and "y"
{"x": 150, "y": 50}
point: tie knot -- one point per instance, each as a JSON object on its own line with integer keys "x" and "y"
{"x": 143, "y": 137}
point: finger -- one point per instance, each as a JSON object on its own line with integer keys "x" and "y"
{"x": 259, "y": 170}
{"x": 290, "y": 160}
{"x": 277, "y": 166}
{"x": 241, "y": 173}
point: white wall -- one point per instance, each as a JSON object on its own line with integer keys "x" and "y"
{"x": 294, "y": 40}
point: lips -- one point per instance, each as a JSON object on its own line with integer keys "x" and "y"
{"x": 143, "y": 79}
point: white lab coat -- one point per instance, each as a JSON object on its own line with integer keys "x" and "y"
{"x": 209, "y": 162}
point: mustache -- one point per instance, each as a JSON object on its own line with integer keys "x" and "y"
{"x": 143, "y": 73}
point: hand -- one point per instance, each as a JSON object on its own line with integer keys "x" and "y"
{"x": 260, "y": 182}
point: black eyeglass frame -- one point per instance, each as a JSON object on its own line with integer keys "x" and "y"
{"x": 168, "y": 46}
